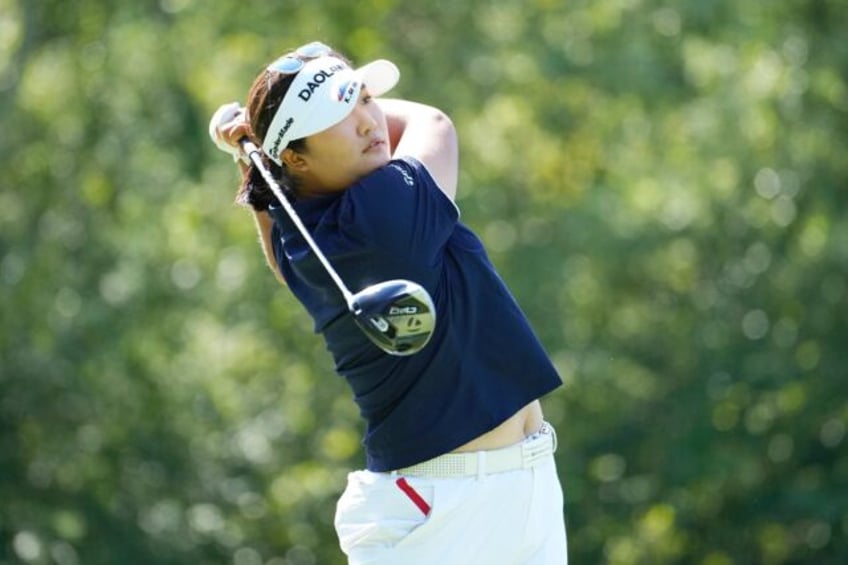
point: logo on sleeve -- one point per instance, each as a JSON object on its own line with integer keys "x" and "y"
{"x": 406, "y": 176}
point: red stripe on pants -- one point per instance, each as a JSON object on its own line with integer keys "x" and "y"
{"x": 413, "y": 495}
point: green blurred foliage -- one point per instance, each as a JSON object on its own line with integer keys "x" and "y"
{"x": 662, "y": 184}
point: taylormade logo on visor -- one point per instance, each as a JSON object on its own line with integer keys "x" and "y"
{"x": 286, "y": 127}
{"x": 317, "y": 80}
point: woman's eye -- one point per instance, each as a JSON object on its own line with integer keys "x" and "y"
{"x": 366, "y": 99}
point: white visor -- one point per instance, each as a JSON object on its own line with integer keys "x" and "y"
{"x": 321, "y": 95}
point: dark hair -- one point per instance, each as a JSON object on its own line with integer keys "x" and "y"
{"x": 263, "y": 99}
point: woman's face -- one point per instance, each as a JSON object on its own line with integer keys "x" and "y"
{"x": 338, "y": 156}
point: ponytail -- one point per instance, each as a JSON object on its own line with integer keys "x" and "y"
{"x": 256, "y": 193}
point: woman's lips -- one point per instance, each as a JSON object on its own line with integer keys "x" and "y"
{"x": 376, "y": 144}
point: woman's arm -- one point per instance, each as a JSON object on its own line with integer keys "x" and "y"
{"x": 426, "y": 133}
{"x": 264, "y": 223}
{"x": 230, "y": 131}
{"x": 263, "y": 226}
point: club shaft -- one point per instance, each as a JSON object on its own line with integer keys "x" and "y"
{"x": 256, "y": 158}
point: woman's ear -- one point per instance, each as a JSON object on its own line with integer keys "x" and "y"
{"x": 294, "y": 161}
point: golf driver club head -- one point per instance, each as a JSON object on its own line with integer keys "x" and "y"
{"x": 397, "y": 315}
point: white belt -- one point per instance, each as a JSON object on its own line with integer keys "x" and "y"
{"x": 524, "y": 455}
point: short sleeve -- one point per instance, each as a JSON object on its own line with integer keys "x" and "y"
{"x": 401, "y": 209}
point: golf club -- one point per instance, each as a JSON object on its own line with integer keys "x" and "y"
{"x": 398, "y": 316}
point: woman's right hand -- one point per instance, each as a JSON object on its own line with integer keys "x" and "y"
{"x": 227, "y": 126}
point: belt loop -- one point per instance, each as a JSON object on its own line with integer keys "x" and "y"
{"x": 481, "y": 465}
{"x": 554, "y": 438}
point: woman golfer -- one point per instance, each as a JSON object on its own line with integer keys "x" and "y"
{"x": 459, "y": 461}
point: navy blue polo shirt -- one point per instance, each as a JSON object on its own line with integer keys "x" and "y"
{"x": 483, "y": 362}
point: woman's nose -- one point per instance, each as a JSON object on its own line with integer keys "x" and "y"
{"x": 366, "y": 121}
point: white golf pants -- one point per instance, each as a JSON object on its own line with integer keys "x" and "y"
{"x": 504, "y": 518}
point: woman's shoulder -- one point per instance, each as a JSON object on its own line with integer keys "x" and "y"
{"x": 404, "y": 170}
{"x": 401, "y": 172}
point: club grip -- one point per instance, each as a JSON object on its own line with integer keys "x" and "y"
{"x": 249, "y": 148}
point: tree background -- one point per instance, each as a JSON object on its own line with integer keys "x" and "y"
{"x": 662, "y": 185}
